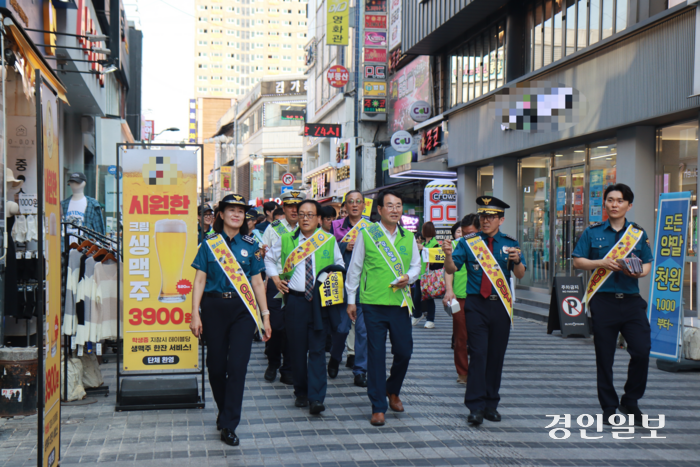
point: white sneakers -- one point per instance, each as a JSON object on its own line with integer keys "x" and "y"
{"x": 429, "y": 325}
{"x": 415, "y": 321}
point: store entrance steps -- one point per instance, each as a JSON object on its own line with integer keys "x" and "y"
{"x": 531, "y": 304}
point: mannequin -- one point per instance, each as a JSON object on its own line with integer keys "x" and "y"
{"x": 80, "y": 209}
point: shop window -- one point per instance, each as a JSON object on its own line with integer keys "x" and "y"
{"x": 602, "y": 173}
{"x": 484, "y": 178}
{"x": 570, "y": 156}
{"x": 533, "y": 222}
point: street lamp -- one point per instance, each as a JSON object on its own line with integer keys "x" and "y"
{"x": 151, "y": 136}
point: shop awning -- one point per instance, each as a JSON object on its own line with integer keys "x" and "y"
{"x": 390, "y": 187}
{"x": 35, "y": 61}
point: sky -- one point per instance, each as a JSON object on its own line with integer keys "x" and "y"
{"x": 168, "y": 63}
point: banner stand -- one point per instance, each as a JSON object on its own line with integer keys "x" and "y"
{"x": 157, "y": 389}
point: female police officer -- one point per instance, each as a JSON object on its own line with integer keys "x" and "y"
{"x": 228, "y": 266}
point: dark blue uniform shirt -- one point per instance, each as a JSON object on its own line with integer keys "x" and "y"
{"x": 247, "y": 253}
{"x": 462, "y": 254}
{"x": 597, "y": 240}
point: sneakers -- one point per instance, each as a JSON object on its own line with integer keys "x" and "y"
{"x": 462, "y": 379}
{"x": 429, "y": 325}
{"x": 415, "y": 321}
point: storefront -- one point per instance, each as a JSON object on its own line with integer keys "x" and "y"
{"x": 266, "y": 175}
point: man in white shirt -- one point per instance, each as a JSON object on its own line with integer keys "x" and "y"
{"x": 294, "y": 264}
{"x": 382, "y": 252}
{"x": 276, "y": 348}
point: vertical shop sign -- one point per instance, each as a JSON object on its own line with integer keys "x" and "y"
{"x": 48, "y": 116}
{"x": 337, "y": 22}
{"x": 160, "y": 243}
{"x": 666, "y": 296}
{"x": 225, "y": 175}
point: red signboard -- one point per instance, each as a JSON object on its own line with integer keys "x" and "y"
{"x": 375, "y": 55}
{"x": 430, "y": 140}
{"x": 338, "y": 76}
{"x": 375, "y": 6}
{"x": 322, "y": 130}
{"x": 375, "y": 21}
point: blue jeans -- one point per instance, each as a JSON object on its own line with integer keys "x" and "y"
{"x": 341, "y": 335}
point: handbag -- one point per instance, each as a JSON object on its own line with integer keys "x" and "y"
{"x": 432, "y": 284}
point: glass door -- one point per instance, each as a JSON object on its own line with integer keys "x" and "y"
{"x": 569, "y": 216}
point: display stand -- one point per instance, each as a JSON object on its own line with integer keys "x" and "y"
{"x": 155, "y": 390}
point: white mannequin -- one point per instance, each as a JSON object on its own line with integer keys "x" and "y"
{"x": 78, "y": 190}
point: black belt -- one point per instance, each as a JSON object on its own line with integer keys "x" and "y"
{"x": 490, "y": 297}
{"x": 297, "y": 294}
{"x": 221, "y": 294}
{"x": 619, "y": 296}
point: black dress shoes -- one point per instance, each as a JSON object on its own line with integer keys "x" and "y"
{"x": 286, "y": 379}
{"x": 270, "y": 373}
{"x": 361, "y": 380}
{"x": 492, "y": 415}
{"x": 350, "y": 361}
{"x": 333, "y": 365}
{"x": 316, "y": 407}
{"x": 218, "y": 423}
{"x": 476, "y": 418}
{"x": 301, "y": 401}
{"x": 229, "y": 437}
{"x": 632, "y": 410}
{"x": 606, "y": 416}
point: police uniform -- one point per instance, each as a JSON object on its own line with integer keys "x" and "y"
{"x": 227, "y": 325}
{"x": 616, "y": 308}
{"x": 203, "y": 209}
{"x": 486, "y": 318}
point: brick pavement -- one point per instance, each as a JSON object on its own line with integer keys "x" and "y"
{"x": 543, "y": 375}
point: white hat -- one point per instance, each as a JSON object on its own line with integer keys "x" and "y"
{"x": 10, "y": 178}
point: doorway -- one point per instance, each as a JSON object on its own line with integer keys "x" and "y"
{"x": 569, "y": 216}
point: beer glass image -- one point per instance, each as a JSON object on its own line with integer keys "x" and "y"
{"x": 171, "y": 244}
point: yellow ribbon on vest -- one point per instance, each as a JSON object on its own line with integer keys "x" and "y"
{"x": 351, "y": 236}
{"x": 306, "y": 249}
{"x": 433, "y": 255}
{"x": 233, "y": 271}
{"x": 621, "y": 249}
{"x": 493, "y": 271}
{"x": 332, "y": 289}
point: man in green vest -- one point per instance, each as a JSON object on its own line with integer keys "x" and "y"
{"x": 384, "y": 263}
{"x": 293, "y": 264}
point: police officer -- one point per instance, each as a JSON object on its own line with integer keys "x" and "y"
{"x": 487, "y": 318}
{"x": 617, "y": 307}
{"x": 277, "y": 349}
{"x": 226, "y": 321}
{"x": 205, "y": 220}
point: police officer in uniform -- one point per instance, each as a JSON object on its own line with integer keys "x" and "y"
{"x": 277, "y": 348}
{"x": 225, "y": 321}
{"x": 487, "y": 319}
{"x": 617, "y": 306}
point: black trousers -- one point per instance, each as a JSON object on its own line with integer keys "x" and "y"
{"x": 489, "y": 328}
{"x": 627, "y": 316}
{"x": 277, "y": 349}
{"x": 228, "y": 330}
{"x": 307, "y": 349}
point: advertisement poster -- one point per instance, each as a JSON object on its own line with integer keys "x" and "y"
{"x": 226, "y": 178}
{"x": 561, "y": 200}
{"x": 160, "y": 243}
{"x": 52, "y": 256}
{"x": 375, "y": 39}
{"x": 375, "y": 55}
{"x": 375, "y": 21}
{"x": 394, "y": 24}
{"x": 374, "y": 105}
{"x": 374, "y": 88}
{"x": 666, "y": 296}
{"x": 337, "y": 22}
{"x": 408, "y": 85}
{"x": 375, "y": 6}
{"x": 596, "y": 197}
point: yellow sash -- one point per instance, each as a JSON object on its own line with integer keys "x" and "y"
{"x": 234, "y": 273}
{"x": 433, "y": 255}
{"x": 332, "y": 289}
{"x": 493, "y": 270}
{"x": 621, "y": 249}
{"x": 306, "y": 249}
{"x": 351, "y": 236}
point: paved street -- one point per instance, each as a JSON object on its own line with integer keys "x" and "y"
{"x": 543, "y": 375}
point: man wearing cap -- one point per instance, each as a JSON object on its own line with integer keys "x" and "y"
{"x": 490, "y": 256}
{"x": 206, "y": 220}
{"x": 81, "y": 209}
{"x": 276, "y": 348}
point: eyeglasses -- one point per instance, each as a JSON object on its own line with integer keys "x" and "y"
{"x": 392, "y": 207}
{"x": 355, "y": 201}
{"x": 209, "y": 215}
{"x": 488, "y": 217}
{"x": 307, "y": 216}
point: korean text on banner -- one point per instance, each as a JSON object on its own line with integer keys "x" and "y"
{"x": 337, "y": 22}
{"x": 666, "y": 296}
{"x": 52, "y": 255}
{"x": 160, "y": 243}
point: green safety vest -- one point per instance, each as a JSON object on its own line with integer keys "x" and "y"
{"x": 324, "y": 256}
{"x": 459, "y": 284}
{"x": 376, "y": 275}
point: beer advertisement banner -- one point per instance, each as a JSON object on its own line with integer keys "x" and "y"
{"x": 52, "y": 256}
{"x": 666, "y": 296}
{"x": 160, "y": 242}
{"x": 338, "y": 22}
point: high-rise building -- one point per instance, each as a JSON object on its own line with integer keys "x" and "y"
{"x": 237, "y": 42}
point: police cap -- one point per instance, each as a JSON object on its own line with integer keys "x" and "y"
{"x": 293, "y": 197}
{"x": 490, "y": 205}
{"x": 233, "y": 200}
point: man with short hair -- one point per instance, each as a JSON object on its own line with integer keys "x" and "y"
{"x": 328, "y": 215}
{"x": 614, "y": 301}
{"x": 278, "y": 214}
{"x": 276, "y": 348}
{"x": 293, "y": 263}
{"x": 268, "y": 210}
{"x": 385, "y": 261}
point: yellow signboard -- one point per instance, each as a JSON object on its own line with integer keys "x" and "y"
{"x": 52, "y": 256}
{"x": 225, "y": 175}
{"x": 338, "y": 22}
{"x": 160, "y": 243}
{"x": 368, "y": 207}
{"x": 374, "y": 88}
